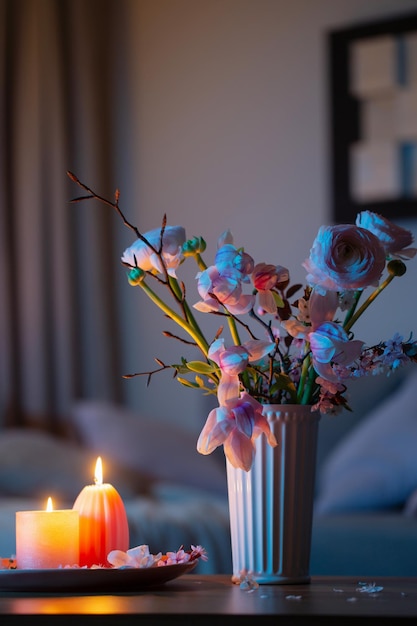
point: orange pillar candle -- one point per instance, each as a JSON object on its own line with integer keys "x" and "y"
{"x": 103, "y": 521}
{"x": 47, "y": 539}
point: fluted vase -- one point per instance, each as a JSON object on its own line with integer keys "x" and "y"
{"x": 271, "y": 506}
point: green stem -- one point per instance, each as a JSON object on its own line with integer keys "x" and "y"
{"x": 184, "y": 324}
{"x": 182, "y": 301}
{"x": 303, "y": 379}
{"x": 369, "y": 301}
{"x": 306, "y": 398}
{"x": 200, "y": 262}
{"x": 352, "y": 309}
{"x": 233, "y": 331}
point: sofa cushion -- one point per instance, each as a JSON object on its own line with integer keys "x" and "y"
{"x": 163, "y": 451}
{"x": 375, "y": 466}
{"x": 36, "y": 464}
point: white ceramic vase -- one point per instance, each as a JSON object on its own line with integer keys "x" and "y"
{"x": 271, "y": 506}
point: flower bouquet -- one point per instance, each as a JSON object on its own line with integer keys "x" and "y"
{"x": 286, "y": 344}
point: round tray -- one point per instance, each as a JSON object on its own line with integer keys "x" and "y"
{"x": 78, "y": 579}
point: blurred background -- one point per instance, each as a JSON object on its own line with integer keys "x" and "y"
{"x": 215, "y": 112}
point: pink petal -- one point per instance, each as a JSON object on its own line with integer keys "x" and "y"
{"x": 258, "y": 349}
{"x": 245, "y": 418}
{"x": 322, "y": 347}
{"x": 228, "y": 388}
{"x": 322, "y": 307}
{"x": 239, "y": 450}
{"x": 267, "y": 302}
{"x": 207, "y": 306}
{"x": 244, "y": 305}
{"x": 216, "y": 429}
{"x": 325, "y": 370}
{"x": 347, "y": 351}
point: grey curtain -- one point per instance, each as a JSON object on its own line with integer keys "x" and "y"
{"x": 62, "y": 72}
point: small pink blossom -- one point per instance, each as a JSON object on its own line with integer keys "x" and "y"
{"x": 345, "y": 257}
{"x": 174, "y": 558}
{"x": 198, "y": 552}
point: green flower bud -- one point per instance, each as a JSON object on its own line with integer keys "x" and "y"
{"x": 396, "y": 267}
{"x": 135, "y": 276}
{"x": 193, "y": 246}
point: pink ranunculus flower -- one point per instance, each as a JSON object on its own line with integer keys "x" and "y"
{"x": 345, "y": 257}
{"x": 222, "y": 288}
{"x": 393, "y": 238}
{"x": 265, "y": 277}
{"x": 139, "y": 254}
{"x": 236, "y": 426}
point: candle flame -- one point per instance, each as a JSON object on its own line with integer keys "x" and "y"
{"x": 49, "y": 506}
{"x": 98, "y": 475}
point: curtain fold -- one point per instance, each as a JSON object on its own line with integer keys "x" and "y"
{"x": 59, "y": 330}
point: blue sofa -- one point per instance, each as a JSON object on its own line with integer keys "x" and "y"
{"x": 365, "y": 520}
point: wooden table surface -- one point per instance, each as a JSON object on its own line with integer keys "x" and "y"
{"x": 201, "y": 600}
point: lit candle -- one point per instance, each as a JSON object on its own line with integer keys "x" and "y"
{"x": 47, "y": 539}
{"x": 103, "y": 521}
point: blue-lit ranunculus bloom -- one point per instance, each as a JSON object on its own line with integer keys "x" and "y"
{"x": 394, "y": 239}
{"x": 345, "y": 257}
{"x": 230, "y": 257}
{"x": 226, "y": 288}
{"x": 236, "y": 426}
{"x": 139, "y": 254}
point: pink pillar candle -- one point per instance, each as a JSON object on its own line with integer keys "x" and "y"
{"x": 103, "y": 521}
{"x": 47, "y": 539}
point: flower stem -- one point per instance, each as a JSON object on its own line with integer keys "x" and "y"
{"x": 369, "y": 301}
{"x": 195, "y": 333}
{"x": 183, "y": 302}
{"x": 200, "y": 262}
{"x": 352, "y": 309}
{"x": 302, "y": 387}
{"x": 233, "y": 330}
{"x": 306, "y": 397}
